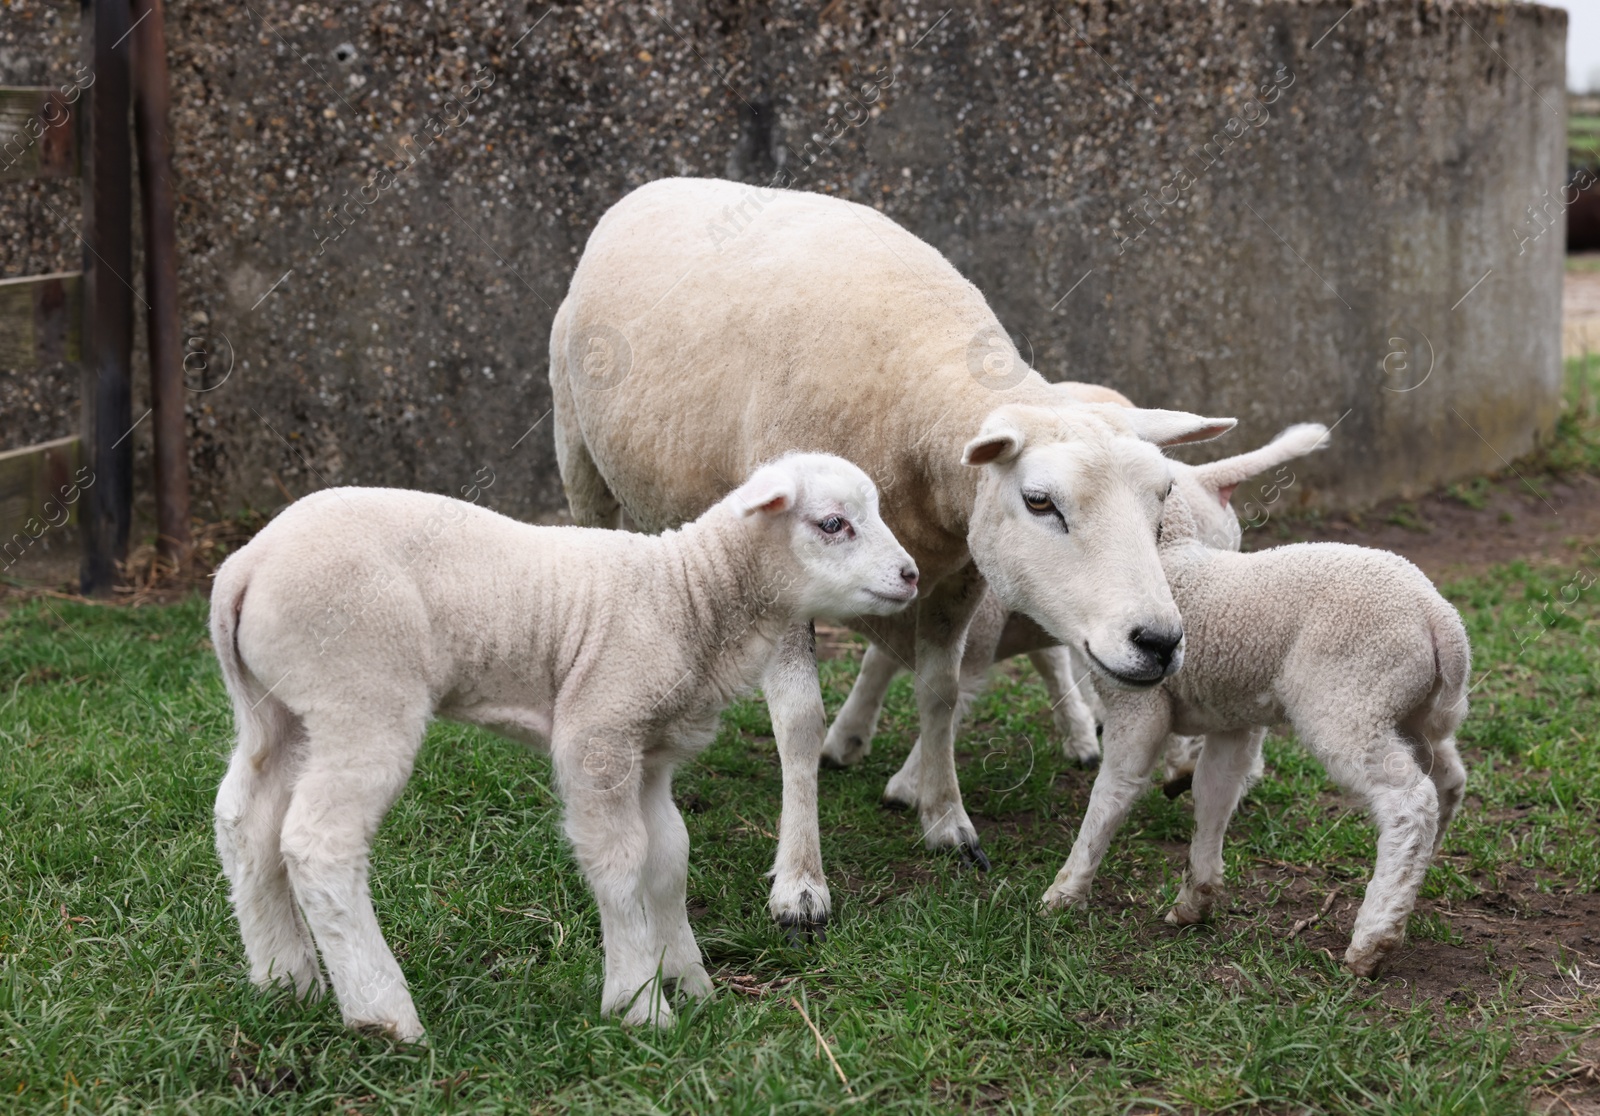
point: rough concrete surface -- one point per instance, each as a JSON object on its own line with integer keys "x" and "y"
{"x": 1357, "y": 246}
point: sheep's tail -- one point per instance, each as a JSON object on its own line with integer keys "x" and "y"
{"x": 262, "y": 721}
{"x": 1295, "y": 441}
{"x": 1446, "y": 704}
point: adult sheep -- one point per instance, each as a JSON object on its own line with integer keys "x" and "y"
{"x": 710, "y": 326}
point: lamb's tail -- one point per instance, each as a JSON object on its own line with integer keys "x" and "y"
{"x": 1446, "y": 706}
{"x": 1222, "y": 477}
{"x": 263, "y": 722}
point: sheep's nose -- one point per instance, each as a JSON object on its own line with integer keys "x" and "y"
{"x": 1158, "y": 644}
{"x": 908, "y": 574}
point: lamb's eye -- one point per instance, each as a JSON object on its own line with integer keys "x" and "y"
{"x": 1038, "y": 503}
{"x": 832, "y": 525}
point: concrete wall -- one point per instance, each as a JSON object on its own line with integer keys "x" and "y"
{"x": 1366, "y": 172}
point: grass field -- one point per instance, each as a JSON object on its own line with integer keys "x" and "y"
{"x": 122, "y": 985}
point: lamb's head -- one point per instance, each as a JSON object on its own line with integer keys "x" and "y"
{"x": 1065, "y": 523}
{"x": 824, "y": 511}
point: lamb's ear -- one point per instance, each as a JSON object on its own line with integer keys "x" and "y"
{"x": 998, "y": 441}
{"x": 1174, "y": 428}
{"x": 768, "y": 492}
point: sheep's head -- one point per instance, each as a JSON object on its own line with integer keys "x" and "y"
{"x": 847, "y": 561}
{"x": 1065, "y": 525}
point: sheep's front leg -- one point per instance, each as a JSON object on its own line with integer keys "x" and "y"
{"x": 666, "y": 880}
{"x": 1136, "y": 724}
{"x": 800, "y": 902}
{"x": 1220, "y": 778}
{"x": 942, "y": 618}
{"x": 1069, "y": 706}
{"x": 849, "y": 739}
{"x": 601, "y": 782}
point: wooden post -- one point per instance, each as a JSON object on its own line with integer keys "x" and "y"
{"x": 161, "y": 282}
{"x": 108, "y": 317}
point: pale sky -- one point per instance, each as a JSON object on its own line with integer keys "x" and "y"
{"x": 1583, "y": 43}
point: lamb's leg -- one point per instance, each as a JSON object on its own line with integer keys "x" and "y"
{"x": 1449, "y": 781}
{"x": 849, "y": 739}
{"x": 1136, "y": 724}
{"x": 666, "y": 878}
{"x": 1219, "y": 782}
{"x": 1068, "y": 704}
{"x": 602, "y": 785}
{"x": 1405, "y": 806}
{"x": 800, "y": 900}
{"x": 942, "y": 618}
{"x": 357, "y": 764}
{"x": 251, "y": 804}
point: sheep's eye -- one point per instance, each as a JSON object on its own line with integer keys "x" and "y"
{"x": 832, "y": 525}
{"x": 1038, "y": 503}
{"x": 1168, "y": 492}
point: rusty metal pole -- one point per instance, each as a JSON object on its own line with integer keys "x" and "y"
{"x": 150, "y": 101}
{"x": 108, "y": 306}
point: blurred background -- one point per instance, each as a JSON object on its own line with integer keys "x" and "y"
{"x": 1284, "y": 211}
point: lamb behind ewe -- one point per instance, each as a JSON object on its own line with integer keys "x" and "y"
{"x": 995, "y": 634}
{"x": 360, "y": 614}
{"x": 1357, "y": 650}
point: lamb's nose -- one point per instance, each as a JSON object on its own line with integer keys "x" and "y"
{"x": 1158, "y": 644}
{"x": 908, "y": 574}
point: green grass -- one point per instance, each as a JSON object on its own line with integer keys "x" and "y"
{"x": 122, "y": 985}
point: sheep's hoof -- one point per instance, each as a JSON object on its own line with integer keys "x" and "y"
{"x": 794, "y": 927}
{"x": 1172, "y": 788}
{"x": 973, "y": 856}
{"x": 1184, "y": 915}
{"x": 693, "y": 982}
{"x": 889, "y": 802}
{"x": 397, "y": 1033}
{"x": 1089, "y": 763}
{"x": 1061, "y": 900}
{"x": 1367, "y": 962}
{"x": 852, "y": 752}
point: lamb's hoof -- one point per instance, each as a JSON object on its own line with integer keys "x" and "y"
{"x": 1368, "y": 961}
{"x": 889, "y": 802}
{"x": 973, "y": 856}
{"x": 1184, "y": 915}
{"x": 694, "y": 982}
{"x": 1172, "y": 788}
{"x": 793, "y": 928}
{"x": 401, "y": 1034}
{"x": 1089, "y": 763}
{"x": 849, "y": 753}
{"x": 1061, "y": 900}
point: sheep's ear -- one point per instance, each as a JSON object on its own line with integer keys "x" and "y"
{"x": 1225, "y": 493}
{"x": 998, "y": 441}
{"x": 1174, "y": 428}
{"x": 769, "y": 495}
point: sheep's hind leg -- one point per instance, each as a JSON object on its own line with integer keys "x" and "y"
{"x": 1219, "y": 781}
{"x": 250, "y": 809}
{"x": 1136, "y": 725}
{"x": 849, "y": 739}
{"x": 356, "y": 768}
{"x": 666, "y": 877}
{"x": 1405, "y": 806}
{"x": 800, "y": 901}
{"x": 1449, "y": 781}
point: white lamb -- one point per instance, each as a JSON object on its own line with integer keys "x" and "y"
{"x": 360, "y": 614}
{"x": 996, "y": 634}
{"x": 1357, "y": 650}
